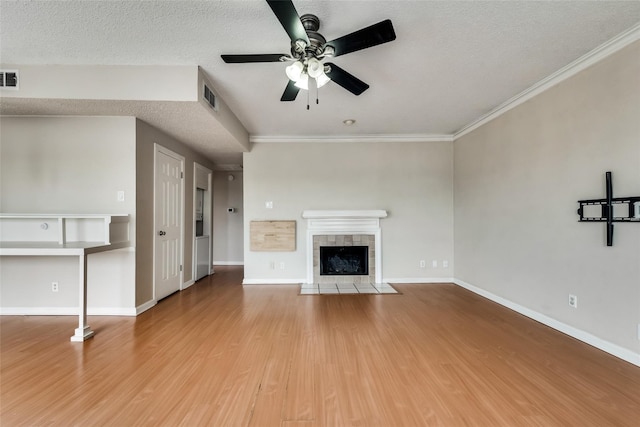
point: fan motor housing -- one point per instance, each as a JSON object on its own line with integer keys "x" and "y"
{"x": 317, "y": 41}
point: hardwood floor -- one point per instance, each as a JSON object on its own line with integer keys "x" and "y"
{"x": 219, "y": 354}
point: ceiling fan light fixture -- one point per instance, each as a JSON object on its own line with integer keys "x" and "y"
{"x": 303, "y": 81}
{"x": 309, "y": 48}
{"x": 322, "y": 80}
{"x": 314, "y": 68}
{"x": 294, "y": 71}
{"x": 328, "y": 51}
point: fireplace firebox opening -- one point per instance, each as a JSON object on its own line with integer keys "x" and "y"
{"x": 344, "y": 260}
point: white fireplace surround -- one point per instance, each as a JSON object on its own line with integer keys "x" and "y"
{"x": 336, "y": 222}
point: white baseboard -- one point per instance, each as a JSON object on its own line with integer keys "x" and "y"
{"x": 39, "y": 311}
{"x": 110, "y": 311}
{"x": 418, "y": 280}
{"x": 228, "y": 263}
{"x": 273, "y": 281}
{"x": 613, "y": 349}
{"x": 145, "y": 306}
{"x": 404, "y": 280}
{"x": 66, "y": 311}
{"x": 185, "y": 285}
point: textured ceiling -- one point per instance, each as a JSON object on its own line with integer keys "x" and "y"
{"x": 451, "y": 63}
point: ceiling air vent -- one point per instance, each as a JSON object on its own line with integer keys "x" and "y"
{"x": 210, "y": 97}
{"x": 9, "y": 79}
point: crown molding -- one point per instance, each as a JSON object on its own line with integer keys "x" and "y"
{"x": 259, "y": 139}
{"x": 596, "y": 55}
{"x": 230, "y": 167}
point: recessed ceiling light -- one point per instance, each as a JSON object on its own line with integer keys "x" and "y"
{"x": 349, "y": 122}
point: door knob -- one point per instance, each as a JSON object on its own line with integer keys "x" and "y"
{"x": 162, "y": 233}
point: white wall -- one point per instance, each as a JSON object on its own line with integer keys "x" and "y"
{"x": 517, "y": 182}
{"x": 412, "y": 181}
{"x": 228, "y": 240}
{"x": 68, "y": 165}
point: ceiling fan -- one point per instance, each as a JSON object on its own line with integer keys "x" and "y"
{"x": 309, "y": 48}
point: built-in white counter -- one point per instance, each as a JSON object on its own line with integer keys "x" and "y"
{"x": 65, "y": 235}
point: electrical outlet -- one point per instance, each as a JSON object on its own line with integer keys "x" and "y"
{"x": 272, "y": 265}
{"x": 423, "y": 263}
{"x": 54, "y": 286}
{"x": 573, "y": 301}
{"x": 281, "y": 265}
{"x": 445, "y": 264}
{"x": 268, "y": 204}
{"x": 434, "y": 263}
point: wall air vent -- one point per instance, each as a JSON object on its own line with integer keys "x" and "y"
{"x": 210, "y": 98}
{"x": 9, "y": 79}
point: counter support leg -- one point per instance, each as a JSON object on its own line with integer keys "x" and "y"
{"x": 83, "y": 331}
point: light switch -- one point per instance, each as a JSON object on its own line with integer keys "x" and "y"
{"x": 121, "y": 196}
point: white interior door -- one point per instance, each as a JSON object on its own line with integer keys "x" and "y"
{"x": 168, "y": 223}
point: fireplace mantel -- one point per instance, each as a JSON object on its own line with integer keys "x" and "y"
{"x": 345, "y": 214}
{"x": 338, "y": 222}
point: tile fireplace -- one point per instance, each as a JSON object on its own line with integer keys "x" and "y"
{"x": 345, "y": 235}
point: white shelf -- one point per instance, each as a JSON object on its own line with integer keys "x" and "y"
{"x": 64, "y": 228}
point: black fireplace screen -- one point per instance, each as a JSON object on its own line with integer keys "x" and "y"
{"x": 344, "y": 260}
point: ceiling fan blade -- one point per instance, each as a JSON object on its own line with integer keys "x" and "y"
{"x": 289, "y": 18}
{"x": 290, "y": 92}
{"x": 376, "y": 34}
{"x": 241, "y": 59}
{"x": 346, "y": 80}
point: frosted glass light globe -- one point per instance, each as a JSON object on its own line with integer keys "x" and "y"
{"x": 314, "y": 68}
{"x": 294, "y": 71}
{"x": 303, "y": 81}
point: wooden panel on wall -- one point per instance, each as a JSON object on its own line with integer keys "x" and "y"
{"x": 273, "y": 236}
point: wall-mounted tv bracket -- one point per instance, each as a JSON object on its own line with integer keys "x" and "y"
{"x": 607, "y": 213}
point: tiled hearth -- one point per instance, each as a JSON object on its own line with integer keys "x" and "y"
{"x": 346, "y": 288}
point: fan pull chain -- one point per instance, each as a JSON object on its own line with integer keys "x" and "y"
{"x": 307, "y": 99}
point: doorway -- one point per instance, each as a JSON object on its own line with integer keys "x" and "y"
{"x": 202, "y": 190}
{"x": 168, "y": 222}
